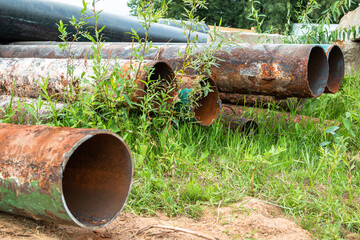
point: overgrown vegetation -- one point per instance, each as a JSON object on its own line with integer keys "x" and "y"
{"x": 310, "y": 170}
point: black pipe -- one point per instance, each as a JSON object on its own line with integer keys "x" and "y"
{"x": 198, "y": 27}
{"x": 35, "y": 20}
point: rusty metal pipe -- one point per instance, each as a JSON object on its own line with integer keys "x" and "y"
{"x": 262, "y": 116}
{"x": 28, "y": 72}
{"x": 237, "y": 121}
{"x": 261, "y": 101}
{"x": 207, "y": 106}
{"x": 274, "y": 70}
{"x": 266, "y": 69}
{"x": 66, "y": 175}
{"x": 336, "y": 67}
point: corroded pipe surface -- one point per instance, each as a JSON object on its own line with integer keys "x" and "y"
{"x": 336, "y": 67}
{"x": 27, "y": 73}
{"x": 274, "y": 70}
{"x": 207, "y": 105}
{"x": 76, "y": 176}
{"x": 261, "y": 101}
{"x": 263, "y": 115}
{"x": 267, "y": 69}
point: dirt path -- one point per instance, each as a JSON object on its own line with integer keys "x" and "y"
{"x": 250, "y": 218}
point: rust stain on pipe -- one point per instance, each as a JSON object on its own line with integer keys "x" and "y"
{"x": 208, "y": 105}
{"x": 76, "y": 176}
{"x": 336, "y": 67}
{"x": 267, "y": 69}
{"x": 274, "y": 70}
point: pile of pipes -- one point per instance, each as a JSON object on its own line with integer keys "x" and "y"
{"x": 83, "y": 176}
{"x": 244, "y": 74}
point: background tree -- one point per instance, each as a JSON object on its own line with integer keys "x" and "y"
{"x": 277, "y": 15}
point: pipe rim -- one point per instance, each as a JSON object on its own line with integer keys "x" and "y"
{"x": 68, "y": 156}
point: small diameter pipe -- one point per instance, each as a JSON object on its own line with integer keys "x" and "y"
{"x": 262, "y": 115}
{"x": 207, "y": 106}
{"x": 336, "y": 67}
{"x": 28, "y": 72}
{"x": 65, "y": 175}
{"x": 281, "y": 70}
{"x": 261, "y": 101}
{"x": 237, "y": 121}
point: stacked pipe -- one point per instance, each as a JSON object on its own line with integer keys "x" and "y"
{"x": 240, "y": 112}
{"x": 261, "y": 73}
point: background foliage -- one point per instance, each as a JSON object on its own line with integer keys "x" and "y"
{"x": 234, "y": 13}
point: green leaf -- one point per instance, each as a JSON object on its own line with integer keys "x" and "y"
{"x": 325, "y": 143}
{"x": 332, "y": 129}
{"x": 102, "y": 29}
{"x": 347, "y": 125}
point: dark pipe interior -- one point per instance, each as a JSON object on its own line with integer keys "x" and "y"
{"x": 318, "y": 71}
{"x": 97, "y": 179}
{"x": 336, "y": 69}
{"x": 163, "y": 72}
{"x": 208, "y": 107}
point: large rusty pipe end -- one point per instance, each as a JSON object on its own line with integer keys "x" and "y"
{"x": 96, "y": 179}
{"x": 317, "y": 71}
{"x": 152, "y": 71}
{"x": 336, "y": 68}
{"x": 207, "y": 106}
{"x": 65, "y": 175}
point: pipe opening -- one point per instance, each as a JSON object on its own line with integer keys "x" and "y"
{"x": 336, "y": 69}
{"x": 208, "y": 107}
{"x": 97, "y": 180}
{"x": 318, "y": 71}
{"x": 163, "y": 72}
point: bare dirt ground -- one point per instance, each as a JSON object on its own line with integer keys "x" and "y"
{"x": 251, "y": 218}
